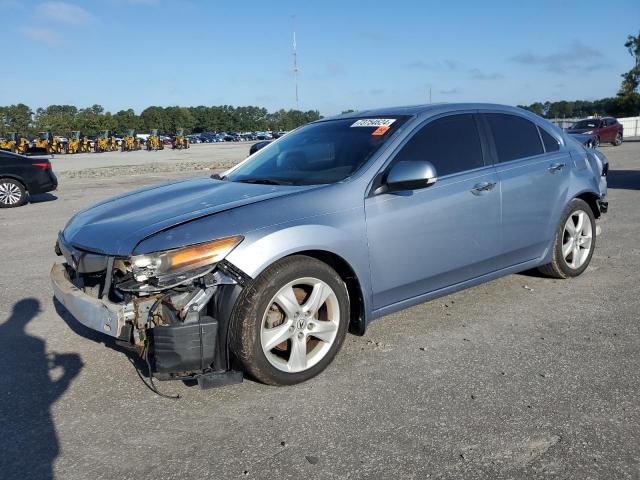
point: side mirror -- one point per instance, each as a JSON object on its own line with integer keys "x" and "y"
{"x": 409, "y": 175}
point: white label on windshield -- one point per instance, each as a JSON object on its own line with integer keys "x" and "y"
{"x": 374, "y": 122}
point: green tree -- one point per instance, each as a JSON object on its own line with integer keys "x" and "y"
{"x": 16, "y": 118}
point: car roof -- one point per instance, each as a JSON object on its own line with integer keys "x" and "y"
{"x": 418, "y": 110}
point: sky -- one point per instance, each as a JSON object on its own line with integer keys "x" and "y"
{"x": 351, "y": 54}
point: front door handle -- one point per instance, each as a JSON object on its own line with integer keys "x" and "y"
{"x": 478, "y": 188}
{"x": 556, "y": 167}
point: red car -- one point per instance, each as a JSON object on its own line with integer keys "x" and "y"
{"x": 605, "y": 129}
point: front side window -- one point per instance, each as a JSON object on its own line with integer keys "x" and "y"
{"x": 318, "y": 153}
{"x": 589, "y": 123}
{"x": 451, "y": 144}
{"x": 515, "y": 137}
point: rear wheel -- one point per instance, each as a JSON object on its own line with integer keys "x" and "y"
{"x": 574, "y": 242}
{"x": 12, "y": 193}
{"x": 290, "y": 322}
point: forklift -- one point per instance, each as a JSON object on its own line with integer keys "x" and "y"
{"x": 14, "y": 143}
{"x": 180, "y": 140}
{"x": 154, "y": 142}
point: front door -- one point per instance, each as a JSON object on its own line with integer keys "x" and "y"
{"x": 424, "y": 240}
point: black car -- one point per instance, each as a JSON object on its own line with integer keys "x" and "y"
{"x": 21, "y": 176}
{"x": 258, "y": 145}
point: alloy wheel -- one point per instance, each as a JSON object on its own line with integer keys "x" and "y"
{"x": 577, "y": 239}
{"x": 300, "y": 325}
{"x": 10, "y": 193}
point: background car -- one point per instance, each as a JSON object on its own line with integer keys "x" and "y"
{"x": 605, "y": 130}
{"x": 21, "y": 176}
{"x": 258, "y": 146}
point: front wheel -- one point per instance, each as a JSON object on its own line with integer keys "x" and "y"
{"x": 290, "y": 322}
{"x": 617, "y": 141}
{"x": 574, "y": 242}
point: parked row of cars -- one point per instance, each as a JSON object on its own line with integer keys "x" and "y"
{"x": 216, "y": 137}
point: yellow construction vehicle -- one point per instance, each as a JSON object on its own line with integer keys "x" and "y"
{"x": 130, "y": 142}
{"x": 47, "y": 143}
{"x": 14, "y": 143}
{"x": 180, "y": 140}
{"x": 113, "y": 142}
{"x": 102, "y": 142}
{"x": 154, "y": 142}
{"x": 73, "y": 142}
{"x": 85, "y": 145}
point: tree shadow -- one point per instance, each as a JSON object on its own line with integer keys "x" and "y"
{"x": 32, "y": 380}
{"x": 624, "y": 179}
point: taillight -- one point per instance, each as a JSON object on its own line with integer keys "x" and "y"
{"x": 44, "y": 165}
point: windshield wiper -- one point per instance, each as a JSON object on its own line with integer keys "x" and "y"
{"x": 264, "y": 181}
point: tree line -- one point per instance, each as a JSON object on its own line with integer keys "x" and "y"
{"x": 61, "y": 119}
{"x": 625, "y": 104}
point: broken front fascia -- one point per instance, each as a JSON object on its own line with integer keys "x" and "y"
{"x": 103, "y": 294}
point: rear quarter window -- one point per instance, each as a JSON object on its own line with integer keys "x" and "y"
{"x": 550, "y": 143}
{"x": 515, "y": 137}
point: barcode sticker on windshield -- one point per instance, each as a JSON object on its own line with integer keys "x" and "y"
{"x": 374, "y": 122}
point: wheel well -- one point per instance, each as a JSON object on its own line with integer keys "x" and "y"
{"x": 17, "y": 179}
{"x": 592, "y": 201}
{"x": 356, "y": 300}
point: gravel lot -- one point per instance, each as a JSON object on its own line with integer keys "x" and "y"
{"x": 523, "y": 377}
{"x": 202, "y": 156}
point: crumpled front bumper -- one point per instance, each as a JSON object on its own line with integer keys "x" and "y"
{"x": 100, "y": 315}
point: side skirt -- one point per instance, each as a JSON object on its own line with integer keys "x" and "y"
{"x": 410, "y": 302}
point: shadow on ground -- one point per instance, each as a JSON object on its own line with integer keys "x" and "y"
{"x": 31, "y": 379}
{"x": 98, "y": 337}
{"x": 42, "y": 197}
{"x": 624, "y": 179}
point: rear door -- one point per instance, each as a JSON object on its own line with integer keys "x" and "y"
{"x": 427, "y": 239}
{"x": 533, "y": 169}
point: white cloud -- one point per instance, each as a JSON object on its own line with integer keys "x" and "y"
{"x": 64, "y": 12}
{"x": 42, "y": 35}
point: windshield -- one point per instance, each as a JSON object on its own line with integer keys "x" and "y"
{"x": 318, "y": 153}
{"x": 590, "y": 123}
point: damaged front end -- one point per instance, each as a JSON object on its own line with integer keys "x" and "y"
{"x": 172, "y": 307}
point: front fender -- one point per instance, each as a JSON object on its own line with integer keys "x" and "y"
{"x": 347, "y": 240}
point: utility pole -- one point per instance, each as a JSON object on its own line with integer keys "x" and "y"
{"x": 295, "y": 61}
{"x": 429, "y": 94}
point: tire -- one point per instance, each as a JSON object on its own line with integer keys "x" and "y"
{"x": 618, "y": 140}
{"x": 596, "y": 142}
{"x": 12, "y": 193}
{"x": 258, "y": 306}
{"x": 574, "y": 262}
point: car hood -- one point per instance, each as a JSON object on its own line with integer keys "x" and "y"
{"x": 580, "y": 130}
{"x": 115, "y": 226}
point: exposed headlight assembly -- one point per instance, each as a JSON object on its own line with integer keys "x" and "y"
{"x": 172, "y": 267}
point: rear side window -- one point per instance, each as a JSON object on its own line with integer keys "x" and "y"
{"x": 515, "y": 137}
{"x": 451, "y": 143}
{"x": 550, "y": 143}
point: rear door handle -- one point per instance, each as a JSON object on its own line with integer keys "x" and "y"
{"x": 556, "y": 167}
{"x": 478, "y": 188}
